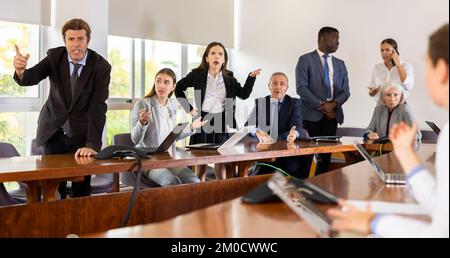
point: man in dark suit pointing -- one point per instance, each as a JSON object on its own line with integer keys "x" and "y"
{"x": 73, "y": 117}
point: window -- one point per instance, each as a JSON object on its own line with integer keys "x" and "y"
{"x": 194, "y": 59}
{"x": 119, "y": 56}
{"x": 18, "y": 129}
{"x": 195, "y": 54}
{"x": 135, "y": 63}
{"x": 27, "y": 39}
{"x": 139, "y": 74}
{"x": 117, "y": 121}
{"x": 19, "y": 106}
{"x": 160, "y": 55}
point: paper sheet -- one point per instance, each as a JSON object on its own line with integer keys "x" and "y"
{"x": 390, "y": 207}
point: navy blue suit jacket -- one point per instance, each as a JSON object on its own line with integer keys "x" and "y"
{"x": 309, "y": 75}
{"x": 289, "y": 115}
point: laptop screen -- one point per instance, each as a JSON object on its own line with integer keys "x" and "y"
{"x": 434, "y": 127}
{"x": 237, "y": 137}
{"x": 366, "y": 156}
{"x": 172, "y": 137}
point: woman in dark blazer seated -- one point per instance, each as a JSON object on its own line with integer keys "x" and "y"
{"x": 215, "y": 91}
{"x": 391, "y": 110}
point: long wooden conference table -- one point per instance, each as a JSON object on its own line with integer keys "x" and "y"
{"x": 237, "y": 219}
{"x": 104, "y": 212}
{"x": 43, "y": 173}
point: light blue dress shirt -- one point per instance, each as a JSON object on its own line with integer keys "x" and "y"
{"x": 82, "y": 63}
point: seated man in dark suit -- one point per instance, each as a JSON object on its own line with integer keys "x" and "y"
{"x": 74, "y": 114}
{"x": 278, "y": 117}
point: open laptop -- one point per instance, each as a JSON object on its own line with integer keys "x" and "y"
{"x": 434, "y": 127}
{"x": 398, "y": 179}
{"x": 304, "y": 208}
{"x": 170, "y": 139}
{"x": 233, "y": 140}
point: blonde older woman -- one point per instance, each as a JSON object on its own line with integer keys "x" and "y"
{"x": 391, "y": 110}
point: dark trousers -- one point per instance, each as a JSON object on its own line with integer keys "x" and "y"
{"x": 60, "y": 143}
{"x": 297, "y": 166}
{"x": 323, "y": 127}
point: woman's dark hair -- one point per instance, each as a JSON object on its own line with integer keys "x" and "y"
{"x": 392, "y": 43}
{"x": 166, "y": 71}
{"x": 438, "y": 45}
{"x": 205, "y": 66}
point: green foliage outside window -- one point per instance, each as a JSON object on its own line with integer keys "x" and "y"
{"x": 117, "y": 121}
{"x": 120, "y": 78}
{"x": 12, "y": 130}
{"x": 11, "y": 34}
{"x": 13, "y": 125}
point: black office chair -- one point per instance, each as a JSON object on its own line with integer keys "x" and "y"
{"x": 7, "y": 150}
{"x": 21, "y": 193}
{"x": 102, "y": 183}
{"x": 429, "y": 136}
{"x": 129, "y": 178}
{"x": 36, "y": 150}
{"x": 337, "y": 161}
{"x": 315, "y": 159}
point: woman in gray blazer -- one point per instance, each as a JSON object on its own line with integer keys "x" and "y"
{"x": 391, "y": 109}
{"x": 152, "y": 119}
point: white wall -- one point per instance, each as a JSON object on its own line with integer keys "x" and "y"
{"x": 25, "y": 11}
{"x": 272, "y": 34}
{"x": 183, "y": 21}
{"x": 95, "y": 13}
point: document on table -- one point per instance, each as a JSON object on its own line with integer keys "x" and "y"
{"x": 390, "y": 207}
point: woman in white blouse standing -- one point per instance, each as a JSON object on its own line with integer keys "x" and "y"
{"x": 391, "y": 70}
{"x": 152, "y": 119}
{"x": 431, "y": 192}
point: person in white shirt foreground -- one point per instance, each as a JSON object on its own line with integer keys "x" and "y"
{"x": 431, "y": 192}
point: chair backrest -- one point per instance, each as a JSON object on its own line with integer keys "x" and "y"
{"x": 8, "y": 150}
{"x": 429, "y": 136}
{"x": 123, "y": 139}
{"x": 350, "y": 131}
{"x": 36, "y": 150}
{"x": 128, "y": 178}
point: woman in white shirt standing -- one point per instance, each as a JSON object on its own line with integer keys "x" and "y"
{"x": 431, "y": 192}
{"x": 152, "y": 119}
{"x": 391, "y": 70}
